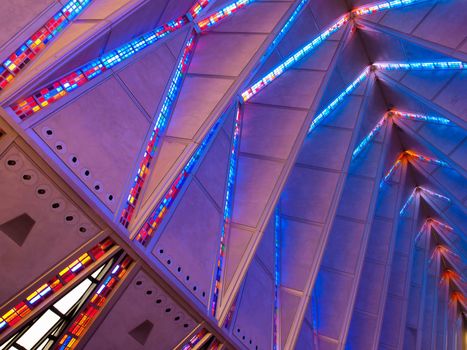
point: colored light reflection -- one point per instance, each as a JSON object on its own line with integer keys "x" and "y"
{"x": 227, "y": 11}
{"x": 195, "y": 339}
{"x": 66, "y": 275}
{"x": 371, "y": 135}
{"x": 56, "y": 90}
{"x": 409, "y": 200}
{"x": 198, "y": 7}
{"x": 159, "y": 128}
{"x": 293, "y": 59}
{"x": 154, "y": 220}
{"x": 421, "y": 117}
{"x": 384, "y": 5}
{"x": 420, "y": 65}
{"x": 426, "y": 159}
{"x": 228, "y": 201}
{"x": 94, "y": 305}
{"x": 289, "y": 23}
{"x": 28, "y": 51}
{"x": 277, "y": 278}
{"x": 338, "y": 100}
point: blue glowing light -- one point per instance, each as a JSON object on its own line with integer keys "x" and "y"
{"x": 420, "y": 65}
{"x": 421, "y": 117}
{"x": 228, "y": 201}
{"x": 338, "y": 100}
{"x": 369, "y": 137}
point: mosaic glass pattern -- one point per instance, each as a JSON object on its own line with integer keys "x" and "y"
{"x": 94, "y": 305}
{"x": 420, "y": 65}
{"x": 221, "y": 14}
{"x": 421, "y": 117}
{"x": 385, "y": 5}
{"x": 338, "y": 100}
{"x": 92, "y": 69}
{"x": 368, "y": 138}
{"x": 228, "y": 202}
{"x": 161, "y": 210}
{"x": 66, "y": 275}
{"x": 159, "y": 128}
{"x": 293, "y": 59}
{"x": 18, "y": 60}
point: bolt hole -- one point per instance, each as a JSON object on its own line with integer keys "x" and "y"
{"x": 195, "y": 288}
{"x": 179, "y": 269}
{"x": 168, "y": 310}
{"x": 204, "y": 294}
{"x": 97, "y": 187}
{"x": 111, "y": 197}
{"x": 69, "y": 218}
{"x": 238, "y": 330}
{"x": 86, "y": 173}
{"x": 158, "y": 301}
{"x": 161, "y": 251}
{"x": 177, "y": 318}
{"x": 169, "y": 262}
{"x": 49, "y": 132}
{"x": 149, "y": 292}
{"x": 11, "y": 162}
{"x": 41, "y": 191}
{"x": 59, "y": 147}
{"x": 74, "y": 159}
{"x": 27, "y": 177}
{"x": 55, "y": 205}
{"x": 82, "y": 229}
{"x": 185, "y": 325}
{"x": 187, "y": 278}
{"x": 138, "y": 283}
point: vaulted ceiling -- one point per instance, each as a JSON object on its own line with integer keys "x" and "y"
{"x": 180, "y": 174}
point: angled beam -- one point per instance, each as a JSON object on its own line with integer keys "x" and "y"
{"x": 384, "y": 288}
{"x": 366, "y": 232}
{"x": 364, "y": 23}
{"x": 438, "y": 184}
{"x": 271, "y": 203}
{"x": 428, "y": 145}
{"x": 331, "y": 216}
{"x": 403, "y": 298}
{"x": 413, "y": 94}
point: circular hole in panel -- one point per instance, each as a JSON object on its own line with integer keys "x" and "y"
{"x": 97, "y": 186}
{"x": 110, "y": 197}
{"x": 13, "y": 162}
{"x": 168, "y": 310}
{"x": 138, "y": 283}
{"x": 238, "y": 330}
{"x": 47, "y": 132}
{"x": 42, "y": 191}
{"x": 86, "y": 173}
{"x": 57, "y": 205}
{"x": 148, "y": 292}
{"x": 243, "y": 337}
{"x": 187, "y": 277}
{"x": 29, "y": 177}
{"x": 185, "y": 325}
{"x": 179, "y": 269}
{"x": 195, "y": 288}
{"x": 161, "y": 251}
{"x": 204, "y": 294}
{"x": 60, "y": 147}
{"x": 73, "y": 159}
{"x": 176, "y": 318}
{"x": 169, "y": 262}
{"x": 158, "y": 301}
{"x": 70, "y": 218}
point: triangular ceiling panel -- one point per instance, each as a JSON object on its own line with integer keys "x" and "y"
{"x": 268, "y": 175}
